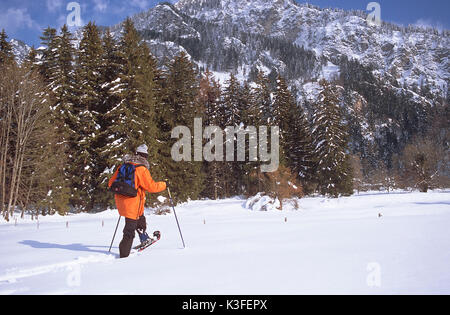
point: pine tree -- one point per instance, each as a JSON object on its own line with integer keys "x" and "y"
{"x": 31, "y": 60}
{"x": 296, "y": 148}
{"x": 111, "y": 67}
{"x": 284, "y": 107}
{"x": 259, "y": 113}
{"x": 251, "y": 117}
{"x": 85, "y": 167}
{"x": 49, "y": 54}
{"x": 148, "y": 77}
{"x": 131, "y": 92}
{"x": 6, "y": 53}
{"x": 126, "y": 130}
{"x": 56, "y": 68}
{"x": 210, "y": 99}
{"x": 61, "y": 81}
{"x": 262, "y": 99}
{"x": 231, "y": 101}
{"x": 179, "y": 107}
{"x": 235, "y": 102}
{"x": 330, "y": 141}
{"x": 149, "y": 96}
{"x": 110, "y": 70}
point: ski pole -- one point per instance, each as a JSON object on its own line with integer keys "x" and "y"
{"x": 173, "y": 207}
{"x": 114, "y": 236}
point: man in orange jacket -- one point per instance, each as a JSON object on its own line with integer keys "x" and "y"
{"x": 132, "y": 208}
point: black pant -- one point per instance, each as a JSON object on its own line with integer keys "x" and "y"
{"x": 128, "y": 234}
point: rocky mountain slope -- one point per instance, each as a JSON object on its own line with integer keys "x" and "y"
{"x": 20, "y": 49}
{"x": 410, "y": 55}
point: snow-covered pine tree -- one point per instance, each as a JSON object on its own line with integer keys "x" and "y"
{"x": 262, "y": 98}
{"x": 251, "y": 116}
{"x": 130, "y": 91}
{"x": 62, "y": 81}
{"x": 300, "y": 146}
{"x": 110, "y": 70}
{"x": 235, "y": 101}
{"x": 6, "y": 53}
{"x": 31, "y": 60}
{"x": 210, "y": 98}
{"x": 179, "y": 107}
{"x": 284, "y": 107}
{"x": 330, "y": 136}
{"x": 126, "y": 128}
{"x": 56, "y": 68}
{"x": 111, "y": 61}
{"x": 259, "y": 113}
{"x": 296, "y": 148}
{"x": 84, "y": 167}
{"x": 231, "y": 102}
{"x": 148, "y": 98}
{"x": 49, "y": 60}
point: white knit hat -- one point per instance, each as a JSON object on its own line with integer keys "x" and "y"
{"x": 142, "y": 149}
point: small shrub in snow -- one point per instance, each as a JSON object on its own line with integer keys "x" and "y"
{"x": 262, "y": 202}
{"x": 277, "y": 186}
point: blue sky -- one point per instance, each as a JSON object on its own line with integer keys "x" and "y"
{"x": 423, "y": 12}
{"x": 25, "y": 19}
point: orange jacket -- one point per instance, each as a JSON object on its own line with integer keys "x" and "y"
{"x": 133, "y": 207}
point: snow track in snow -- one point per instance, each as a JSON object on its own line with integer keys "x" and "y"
{"x": 12, "y": 275}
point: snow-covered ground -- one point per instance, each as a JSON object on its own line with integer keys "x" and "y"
{"x": 372, "y": 243}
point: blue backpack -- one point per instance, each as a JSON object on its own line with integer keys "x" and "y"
{"x": 125, "y": 182}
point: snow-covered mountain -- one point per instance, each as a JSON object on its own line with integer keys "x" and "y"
{"x": 20, "y": 49}
{"x": 410, "y": 55}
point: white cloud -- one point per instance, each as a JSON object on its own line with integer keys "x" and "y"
{"x": 53, "y": 5}
{"x": 15, "y": 19}
{"x": 100, "y": 5}
{"x": 428, "y": 23}
{"x": 142, "y": 4}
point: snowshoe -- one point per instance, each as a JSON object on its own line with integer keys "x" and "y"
{"x": 149, "y": 241}
{"x": 143, "y": 237}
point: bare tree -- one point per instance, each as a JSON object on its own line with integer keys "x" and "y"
{"x": 23, "y": 103}
{"x": 7, "y": 96}
{"x": 421, "y": 163}
{"x": 358, "y": 177}
{"x": 281, "y": 184}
